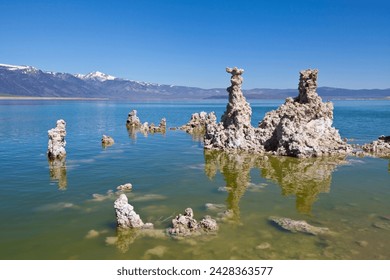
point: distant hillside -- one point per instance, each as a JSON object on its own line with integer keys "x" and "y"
{"x": 32, "y": 82}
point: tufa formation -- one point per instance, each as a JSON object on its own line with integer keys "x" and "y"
{"x": 57, "y": 143}
{"x": 301, "y": 127}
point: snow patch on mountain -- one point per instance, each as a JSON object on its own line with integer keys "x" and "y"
{"x": 23, "y": 68}
{"x": 97, "y": 75}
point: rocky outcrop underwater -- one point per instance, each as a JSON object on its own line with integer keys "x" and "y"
{"x": 301, "y": 127}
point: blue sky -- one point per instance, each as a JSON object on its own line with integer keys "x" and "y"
{"x": 190, "y": 42}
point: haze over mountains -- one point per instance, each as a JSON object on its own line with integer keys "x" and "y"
{"x": 32, "y": 82}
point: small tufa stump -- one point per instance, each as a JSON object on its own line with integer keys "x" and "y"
{"x": 107, "y": 140}
{"x": 125, "y": 187}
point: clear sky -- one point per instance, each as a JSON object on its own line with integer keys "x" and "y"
{"x": 190, "y": 42}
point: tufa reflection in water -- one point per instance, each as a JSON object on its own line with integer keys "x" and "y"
{"x": 126, "y": 237}
{"x": 304, "y": 178}
{"x": 57, "y": 169}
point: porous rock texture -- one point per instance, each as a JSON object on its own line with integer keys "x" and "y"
{"x": 379, "y": 148}
{"x": 57, "y": 143}
{"x": 186, "y": 225}
{"x": 301, "y": 127}
{"x": 126, "y": 217}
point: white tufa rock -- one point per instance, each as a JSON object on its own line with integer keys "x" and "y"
{"x": 57, "y": 143}
{"x": 126, "y": 217}
{"x": 132, "y": 120}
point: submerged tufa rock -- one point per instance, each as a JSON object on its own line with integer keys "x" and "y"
{"x": 298, "y": 226}
{"x": 57, "y": 143}
{"x": 126, "y": 217}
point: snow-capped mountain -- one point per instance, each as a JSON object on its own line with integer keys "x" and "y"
{"x": 22, "y": 68}
{"x": 30, "y": 81}
{"x": 24, "y": 80}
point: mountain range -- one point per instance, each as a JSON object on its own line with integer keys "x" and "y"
{"x": 31, "y": 82}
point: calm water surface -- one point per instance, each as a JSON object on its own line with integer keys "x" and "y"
{"x": 67, "y": 212}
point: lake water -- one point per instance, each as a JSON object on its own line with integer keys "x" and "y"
{"x": 67, "y": 212}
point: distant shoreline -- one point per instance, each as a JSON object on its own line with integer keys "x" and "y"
{"x": 10, "y": 97}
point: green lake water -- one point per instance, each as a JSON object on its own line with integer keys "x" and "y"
{"x": 49, "y": 212}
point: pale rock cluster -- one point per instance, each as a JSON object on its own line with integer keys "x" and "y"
{"x": 186, "y": 225}
{"x": 380, "y": 147}
{"x": 57, "y": 143}
{"x": 134, "y": 124}
{"x": 162, "y": 127}
{"x": 198, "y": 123}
